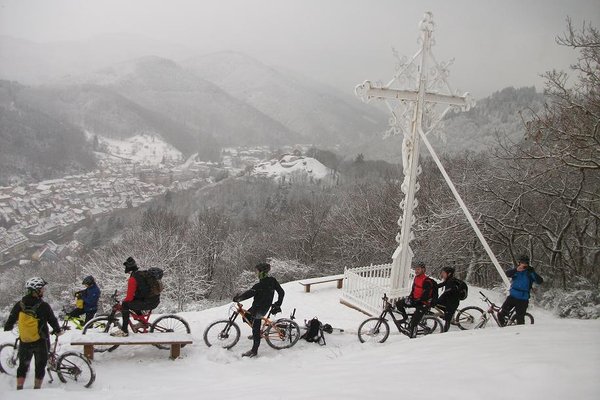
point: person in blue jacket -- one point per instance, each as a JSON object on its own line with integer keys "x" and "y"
{"x": 90, "y": 296}
{"x": 523, "y": 277}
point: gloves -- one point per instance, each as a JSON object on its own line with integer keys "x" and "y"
{"x": 236, "y": 298}
{"x": 58, "y": 332}
{"x": 275, "y": 309}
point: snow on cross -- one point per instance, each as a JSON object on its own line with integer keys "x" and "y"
{"x": 415, "y": 115}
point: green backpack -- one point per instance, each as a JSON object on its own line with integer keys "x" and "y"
{"x": 29, "y": 323}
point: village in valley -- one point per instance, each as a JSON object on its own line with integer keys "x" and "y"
{"x": 40, "y": 221}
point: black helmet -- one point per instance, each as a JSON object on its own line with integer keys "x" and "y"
{"x": 263, "y": 267}
{"x": 130, "y": 265}
{"x": 523, "y": 258}
{"x": 419, "y": 263}
{"x": 449, "y": 270}
{"x": 88, "y": 280}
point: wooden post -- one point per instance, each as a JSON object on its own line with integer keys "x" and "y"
{"x": 88, "y": 351}
{"x": 175, "y": 350}
{"x": 307, "y": 288}
{"x": 340, "y": 283}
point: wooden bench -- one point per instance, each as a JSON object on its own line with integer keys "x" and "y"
{"x": 175, "y": 340}
{"x": 308, "y": 282}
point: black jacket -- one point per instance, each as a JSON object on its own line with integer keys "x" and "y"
{"x": 263, "y": 293}
{"x": 451, "y": 295}
{"x": 44, "y": 314}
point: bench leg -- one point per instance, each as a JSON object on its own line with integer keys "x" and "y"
{"x": 307, "y": 289}
{"x": 88, "y": 351}
{"x": 175, "y": 351}
{"x": 340, "y": 282}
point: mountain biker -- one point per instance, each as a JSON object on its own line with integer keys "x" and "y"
{"x": 137, "y": 298}
{"x": 33, "y": 303}
{"x": 263, "y": 293}
{"x": 450, "y": 298}
{"x": 523, "y": 277}
{"x": 420, "y": 298}
{"x": 90, "y": 296}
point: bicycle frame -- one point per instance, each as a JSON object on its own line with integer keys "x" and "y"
{"x": 143, "y": 319}
{"x": 266, "y": 322}
{"x": 401, "y": 325}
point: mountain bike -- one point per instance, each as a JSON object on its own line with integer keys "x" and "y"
{"x": 280, "y": 334}
{"x": 473, "y": 317}
{"x": 138, "y": 323}
{"x": 377, "y": 329}
{"x": 71, "y": 367}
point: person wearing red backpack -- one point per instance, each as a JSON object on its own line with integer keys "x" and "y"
{"x": 422, "y": 296}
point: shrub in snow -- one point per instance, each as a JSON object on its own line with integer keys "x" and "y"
{"x": 583, "y": 303}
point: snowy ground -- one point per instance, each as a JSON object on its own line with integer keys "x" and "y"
{"x": 553, "y": 359}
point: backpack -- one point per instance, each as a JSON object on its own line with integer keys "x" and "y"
{"x": 29, "y": 323}
{"x": 149, "y": 282}
{"x": 463, "y": 289}
{"x": 314, "y": 332}
{"x": 434, "y": 292}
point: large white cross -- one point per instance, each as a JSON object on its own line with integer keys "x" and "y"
{"x": 412, "y": 108}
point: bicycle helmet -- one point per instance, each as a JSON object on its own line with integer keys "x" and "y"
{"x": 35, "y": 283}
{"x": 448, "y": 270}
{"x": 130, "y": 265}
{"x": 419, "y": 263}
{"x": 263, "y": 267}
{"x": 88, "y": 280}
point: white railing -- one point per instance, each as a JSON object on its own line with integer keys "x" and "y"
{"x": 365, "y": 286}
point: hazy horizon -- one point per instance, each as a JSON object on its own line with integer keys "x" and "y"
{"x": 341, "y": 43}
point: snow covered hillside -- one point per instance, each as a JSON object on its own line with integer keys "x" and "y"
{"x": 292, "y": 165}
{"x": 144, "y": 149}
{"x": 553, "y": 359}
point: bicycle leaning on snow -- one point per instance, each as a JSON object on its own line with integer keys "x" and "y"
{"x": 70, "y": 366}
{"x": 377, "y": 329}
{"x": 473, "y": 317}
{"x": 280, "y": 334}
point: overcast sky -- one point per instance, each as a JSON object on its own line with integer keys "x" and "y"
{"x": 341, "y": 42}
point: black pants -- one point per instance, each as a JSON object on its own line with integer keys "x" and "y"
{"x": 520, "y": 307}
{"x": 39, "y": 349}
{"x": 420, "y": 310}
{"x": 79, "y": 311}
{"x": 449, "y": 310}
{"x": 137, "y": 306}
{"x": 256, "y": 318}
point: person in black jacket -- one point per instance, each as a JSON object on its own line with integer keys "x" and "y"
{"x": 39, "y": 348}
{"x": 263, "y": 293}
{"x": 450, "y": 298}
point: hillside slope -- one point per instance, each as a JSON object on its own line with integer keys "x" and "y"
{"x": 553, "y": 359}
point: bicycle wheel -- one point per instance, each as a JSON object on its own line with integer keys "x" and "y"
{"x": 282, "y": 334}
{"x": 373, "y": 330}
{"x": 170, "y": 323}
{"x": 73, "y": 367}
{"x": 9, "y": 359}
{"x": 428, "y": 325}
{"x": 223, "y": 333}
{"x": 468, "y": 317}
{"x": 101, "y": 325}
{"x": 528, "y": 319}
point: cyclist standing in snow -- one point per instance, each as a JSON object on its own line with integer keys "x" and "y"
{"x": 523, "y": 277}
{"x": 263, "y": 293}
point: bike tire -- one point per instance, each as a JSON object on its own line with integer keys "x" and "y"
{"x": 9, "y": 359}
{"x": 282, "y": 334}
{"x": 73, "y": 367}
{"x": 429, "y": 324}
{"x": 467, "y": 318}
{"x": 529, "y": 320}
{"x": 101, "y": 325}
{"x": 219, "y": 333}
{"x": 170, "y": 323}
{"x": 373, "y": 330}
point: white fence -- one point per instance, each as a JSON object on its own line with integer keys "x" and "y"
{"x": 365, "y": 286}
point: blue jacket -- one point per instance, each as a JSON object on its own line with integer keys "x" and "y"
{"x": 90, "y": 298}
{"x": 522, "y": 282}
